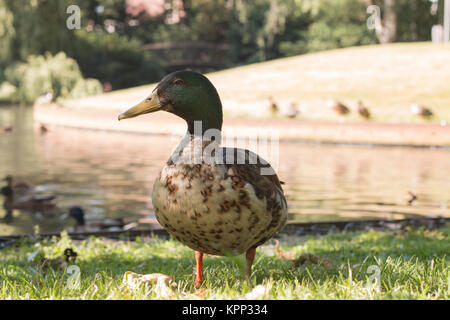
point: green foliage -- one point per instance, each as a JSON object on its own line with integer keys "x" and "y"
{"x": 86, "y": 87}
{"x": 414, "y": 20}
{"x": 253, "y": 30}
{"x": 8, "y": 92}
{"x": 40, "y": 26}
{"x": 7, "y": 33}
{"x": 41, "y": 74}
{"x": 114, "y": 58}
{"x": 408, "y": 264}
{"x": 339, "y": 24}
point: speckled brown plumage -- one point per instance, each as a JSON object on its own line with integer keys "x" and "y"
{"x": 220, "y": 208}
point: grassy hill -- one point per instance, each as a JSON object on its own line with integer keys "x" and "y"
{"x": 387, "y": 78}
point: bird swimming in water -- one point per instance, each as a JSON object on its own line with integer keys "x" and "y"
{"x": 19, "y": 187}
{"x": 7, "y": 129}
{"x": 119, "y": 224}
{"x": 214, "y": 200}
{"x": 32, "y": 203}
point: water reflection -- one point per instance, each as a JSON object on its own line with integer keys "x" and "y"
{"x": 111, "y": 175}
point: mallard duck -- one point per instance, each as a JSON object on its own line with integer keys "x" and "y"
{"x": 7, "y": 129}
{"x": 77, "y": 213}
{"x": 292, "y": 111}
{"x": 412, "y": 198}
{"x": 46, "y": 98}
{"x": 201, "y": 196}
{"x": 337, "y": 107}
{"x": 33, "y": 203}
{"x": 43, "y": 128}
{"x": 420, "y": 110}
{"x": 8, "y": 202}
{"x": 59, "y": 263}
{"x": 19, "y": 187}
{"x": 273, "y": 106}
{"x": 363, "y": 110}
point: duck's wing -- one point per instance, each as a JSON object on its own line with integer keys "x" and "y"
{"x": 251, "y": 168}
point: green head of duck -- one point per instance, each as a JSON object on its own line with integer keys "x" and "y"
{"x": 187, "y": 94}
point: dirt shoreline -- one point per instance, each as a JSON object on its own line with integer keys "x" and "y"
{"x": 370, "y": 133}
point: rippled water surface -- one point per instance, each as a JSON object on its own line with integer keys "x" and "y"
{"x": 111, "y": 175}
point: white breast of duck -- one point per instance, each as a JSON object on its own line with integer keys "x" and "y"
{"x": 215, "y": 207}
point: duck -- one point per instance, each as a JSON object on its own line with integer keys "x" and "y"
{"x": 43, "y": 129}
{"x": 59, "y": 263}
{"x": 273, "y": 106}
{"x": 292, "y": 111}
{"x": 32, "y": 203}
{"x": 412, "y": 198}
{"x": 337, "y": 107}
{"x": 7, "y": 129}
{"x": 363, "y": 110}
{"x": 19, "y": 187}
{"x": 46, "y": 98}
{"x": 421, "y": 110}
{"x": 210, "y": 198}
{"x": 120, "y": 224}
{"x": 8, "y": 201}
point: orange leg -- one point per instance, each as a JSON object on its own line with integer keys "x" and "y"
{"x": 199, "y": 259}
{"x": 250, "y": 256}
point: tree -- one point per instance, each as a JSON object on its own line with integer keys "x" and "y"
{"x": 404, "y": 20}
{"x": 386, "y": 28}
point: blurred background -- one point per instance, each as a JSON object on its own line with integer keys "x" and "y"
{"x": 358, "y": 88}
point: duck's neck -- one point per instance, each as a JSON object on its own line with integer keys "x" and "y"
{"x": 195, "y": 149}
{"x": 206, "y": 116}
{"x": 199, "y": 127}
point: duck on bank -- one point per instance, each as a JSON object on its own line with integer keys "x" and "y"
{"x": 212, "y": 205}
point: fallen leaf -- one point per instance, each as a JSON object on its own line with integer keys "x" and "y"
{"x": 307, "y": 257}
{"x": 201, "y": 293}
{"x": 285, "y": 255}
{"x": 162, "y": 283}
{"x": 259, "y": 292}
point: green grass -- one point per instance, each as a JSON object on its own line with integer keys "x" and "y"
{"x": 411, "y": 265}
{"x": 387, "y": 78}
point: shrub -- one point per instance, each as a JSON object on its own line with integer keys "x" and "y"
{"x": 86, "y": 87}
{"x": 40, "y": 74}
{"x": 8, "y": 92}
{"x": 114, "y": 58}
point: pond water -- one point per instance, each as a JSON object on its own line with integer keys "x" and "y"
{"x": 111, "y": 175}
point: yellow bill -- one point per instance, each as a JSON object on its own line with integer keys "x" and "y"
{"x": 151, "y": 104}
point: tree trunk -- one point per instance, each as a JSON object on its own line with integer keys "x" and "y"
{"x": 387, "y": 33}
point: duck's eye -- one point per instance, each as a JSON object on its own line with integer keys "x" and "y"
{"x": 178, "y": 82}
